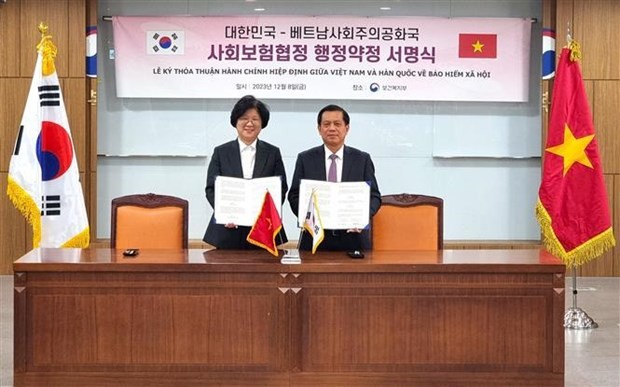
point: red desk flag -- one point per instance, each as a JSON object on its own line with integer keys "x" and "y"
{"x": 267, "y": 225}
{"x": 572, "y": 207}
{"x": 477, "y": 46}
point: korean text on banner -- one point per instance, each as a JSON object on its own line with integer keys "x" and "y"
{"x": 384, "y": 58}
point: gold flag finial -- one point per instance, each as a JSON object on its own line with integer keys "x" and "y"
{"x": 575, "y": 50}
{"x": 47, "y": 49}
{"x": 43, "y": 28}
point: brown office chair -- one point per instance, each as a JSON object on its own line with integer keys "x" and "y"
{"x": 149, "y": 221}
{"x": 408, "y": 222}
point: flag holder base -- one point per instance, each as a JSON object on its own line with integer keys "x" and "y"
{"x": 577, "y": 318}
{"x": 291, "y": 256}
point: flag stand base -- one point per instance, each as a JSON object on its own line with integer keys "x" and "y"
{"x": 290, "y": 256}
{"x": 576, "y": 318}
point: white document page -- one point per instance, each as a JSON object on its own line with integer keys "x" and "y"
{"x": 342, "y": 206}
{"x": 239, "y": 201}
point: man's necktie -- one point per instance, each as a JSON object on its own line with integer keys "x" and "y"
{"x": 332, "y": 174}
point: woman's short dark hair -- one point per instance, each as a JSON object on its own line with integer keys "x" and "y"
{"x": 246, "y": 103}
{"x": 333, "y": 108}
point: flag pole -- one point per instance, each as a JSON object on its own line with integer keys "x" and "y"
{"x": 570, "y": 122}
{"x": 292, "y": 255}
{"x": 575, "y": 317}
{"x": 279, "y": 216}
{"x": 301, "y": 234}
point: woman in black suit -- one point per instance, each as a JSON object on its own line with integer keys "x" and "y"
{"x": 246, "y": 157}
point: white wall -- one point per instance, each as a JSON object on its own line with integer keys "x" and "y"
{"x": 482, "y": 158}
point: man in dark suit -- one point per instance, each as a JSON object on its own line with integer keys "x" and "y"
{"x": 246, "y": 157}
{"x": 350, "y": 164}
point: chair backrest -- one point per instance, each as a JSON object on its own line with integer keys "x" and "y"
{"x": 149, "y": 221}
{"x": 408, "y": 222}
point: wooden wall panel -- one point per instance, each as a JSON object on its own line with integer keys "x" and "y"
{"x": 602, "y": 266}
{"x": 77, "y": 39}
{"x": 92, "y": 205}
{"x": 589, "y": 86}
{"x": 14, "y": 240}
{"x": 74, "y": 93}
{"x": 85, "y": 191}
{"x": 91, "y": 20}
{"x": 13, "y": 243}
{"x": 548, "y": 13}
{"x": 616, "y": 210}
{"x": 13, "y": 94}
{"x": 545, "y": 90}
{"x": 92, "y": 123}
{"x": 66, "y": 20}
{"x": 606, "y": 122}
{"x": 9, "y": 29}
{"x": 55, "y": 15}
{"x": 549, "y": 21}
{"x": 595, "y": 27}
{"x": 563, "y": 17}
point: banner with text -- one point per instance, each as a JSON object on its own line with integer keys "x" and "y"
{"x": 383, "y": 58}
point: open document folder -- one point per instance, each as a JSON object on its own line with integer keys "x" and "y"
{"x": 239, "y": 201}
{"x": 343, "y": 205}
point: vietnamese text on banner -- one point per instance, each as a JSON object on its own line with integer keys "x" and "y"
{"x": 383, "y": 58}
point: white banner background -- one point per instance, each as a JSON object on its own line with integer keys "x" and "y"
{"x": 387, "y": 58}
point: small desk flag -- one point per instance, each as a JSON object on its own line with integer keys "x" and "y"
{"x": 267, "y": 225}
{"x": 44, "y": 180}
{"x": 572, "y": 207}
{"x": 313, "y": 223}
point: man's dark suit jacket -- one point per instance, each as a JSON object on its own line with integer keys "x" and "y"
{"x": 356, "y": 166}
{"x": 226, "y": 161}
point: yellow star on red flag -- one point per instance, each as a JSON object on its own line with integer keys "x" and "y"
{"x": 572, "y": 150}
{"x": 477, "y": 46}
{"x": 266, "y": 226}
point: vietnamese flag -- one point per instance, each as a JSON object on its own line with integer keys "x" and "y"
{"x": 267, "y": 225}
{"x": 477, "y": 46}
{"x": 572, "y": 207}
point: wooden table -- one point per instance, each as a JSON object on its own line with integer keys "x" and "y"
{"x": 193, "y": 318}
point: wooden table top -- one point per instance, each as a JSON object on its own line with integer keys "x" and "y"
{"x": 106, "y": 259}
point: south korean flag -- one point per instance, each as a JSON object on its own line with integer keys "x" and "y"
{"x": 165, "y": 42}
